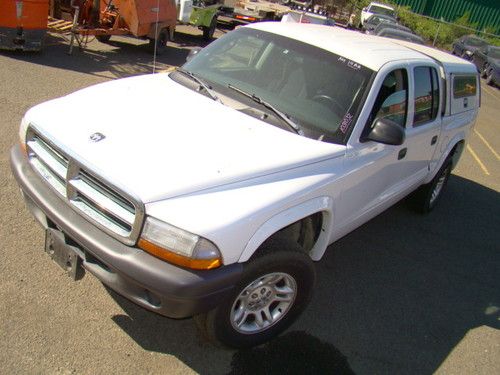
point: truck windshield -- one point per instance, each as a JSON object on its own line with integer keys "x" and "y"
{"x": 382, "y": 10}
{"x": 320, "y": 91}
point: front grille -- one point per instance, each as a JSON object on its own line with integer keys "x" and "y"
{"x": 100, "y": 202}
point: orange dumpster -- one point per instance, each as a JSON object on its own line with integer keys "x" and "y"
{"x": 23, "y": 24}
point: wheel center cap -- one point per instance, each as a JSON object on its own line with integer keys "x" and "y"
{"x": 259, "y": 297}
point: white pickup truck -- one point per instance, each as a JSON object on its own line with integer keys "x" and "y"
{"x": 376, "y": 8}
{"x": 210, "y": 191}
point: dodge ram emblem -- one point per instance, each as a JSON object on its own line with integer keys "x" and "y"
{"x": 96, "y": 137}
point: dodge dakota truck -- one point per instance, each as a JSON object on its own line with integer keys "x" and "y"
{"x": 213, "y": 189}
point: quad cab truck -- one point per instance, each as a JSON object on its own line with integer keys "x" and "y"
{"x": 300, "y": 134}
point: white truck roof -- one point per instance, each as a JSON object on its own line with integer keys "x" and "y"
{"x": 368, "y": 50}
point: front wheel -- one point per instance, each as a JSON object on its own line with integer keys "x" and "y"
{"x": 484, "y": 71}
{"x": 274, "y": 290}
{"x": 426, "y": 197}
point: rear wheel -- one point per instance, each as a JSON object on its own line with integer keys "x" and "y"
{"x": 160, "y": 42}
{"x": 426, "y": 197}
{"x": 274, "y": 290}
{"x": 103, "y": 38}
{"x": 489, "y": 78}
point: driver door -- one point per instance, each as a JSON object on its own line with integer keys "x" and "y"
{"x": 372, "y": 181}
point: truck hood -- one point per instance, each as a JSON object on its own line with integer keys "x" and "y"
{"x": 163, "y": 140}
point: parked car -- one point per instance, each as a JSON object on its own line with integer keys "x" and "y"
{"x": 466, "y": 45}
{"x": 301, "y": 134}
{"x": 376, "y": 8}
{"x": 389, "y": 25}
{"x": 493, "y": 74}
{"x": 373, "y": 21}
{"x": 483, "y": 57}
{"x": 401, "y": 35}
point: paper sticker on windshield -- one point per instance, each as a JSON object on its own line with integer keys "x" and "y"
{"x": 353, "y": 65}
{"x": 346, "y": 121}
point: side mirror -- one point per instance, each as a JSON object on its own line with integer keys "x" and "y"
{"x": 192, "y": 53}
{"x": 387, "y": 132}
{"x": 364, "y": 9}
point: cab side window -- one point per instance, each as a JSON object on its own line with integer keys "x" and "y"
{"x": 392, "y": 99}
{"x": 426, "y": 95}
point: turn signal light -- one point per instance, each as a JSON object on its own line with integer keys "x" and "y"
{"x": 179, "y": 260}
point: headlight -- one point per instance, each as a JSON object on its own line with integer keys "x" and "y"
{"x": 178, "y": 246}
{"x": 468, "y": 53}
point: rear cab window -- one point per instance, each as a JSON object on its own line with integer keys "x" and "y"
{"x": 464, "y": 93}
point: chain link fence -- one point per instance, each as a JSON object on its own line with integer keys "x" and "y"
{"x": 435, "y": 32}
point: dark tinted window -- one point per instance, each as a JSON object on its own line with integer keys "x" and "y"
{"x": 494, "y": 53}
{"x": 426, "y": 95}
{"x": 475, "y": 42}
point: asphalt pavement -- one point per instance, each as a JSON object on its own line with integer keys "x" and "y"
{"x": 403, "y": 294}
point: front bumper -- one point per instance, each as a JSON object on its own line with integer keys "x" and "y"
{"x": 149, "y": 282}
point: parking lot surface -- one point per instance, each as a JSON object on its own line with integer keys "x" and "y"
{"x": 405, "y": 293}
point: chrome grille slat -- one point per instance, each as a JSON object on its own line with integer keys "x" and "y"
{"x": 108, "y": 207}
{"x": 49, "y": 176}
{"x": 103, "y": 201}
{"x": 98, "y": 217}
{"x": 104, "y": 190}
{"x": 49, "y": 158}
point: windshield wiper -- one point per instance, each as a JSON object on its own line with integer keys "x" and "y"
{"x": 283, "y": 116}
{"x": 200, "y": 82}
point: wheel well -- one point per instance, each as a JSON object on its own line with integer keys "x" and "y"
{"x": 456, "y": 152}
{"x": 305, "y": 232}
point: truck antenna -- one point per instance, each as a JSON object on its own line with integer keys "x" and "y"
{"x": 156, "y": 34}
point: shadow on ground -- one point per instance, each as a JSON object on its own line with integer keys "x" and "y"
{"x": 120, "y": 57}
{"x": 395, "y": 296}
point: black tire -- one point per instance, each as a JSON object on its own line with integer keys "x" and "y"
{"x": 208, "y": 32}
{"x": 160, "y": 42}
{"x": 103, "y": 38}
{"x": 427, "y": 196}
{"x": 277, "y": 259}
{"x": 489, "y": 78}
{"x": 484, "y": 71}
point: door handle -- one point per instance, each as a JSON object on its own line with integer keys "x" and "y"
{"x": 402, "y": 153}
{"x": 434, "y": 140}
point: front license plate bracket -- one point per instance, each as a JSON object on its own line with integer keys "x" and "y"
{"x": 66, "y": 256}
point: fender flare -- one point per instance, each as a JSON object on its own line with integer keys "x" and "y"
{"x": 446, "y": 148}
{"x": 289, "y": 216}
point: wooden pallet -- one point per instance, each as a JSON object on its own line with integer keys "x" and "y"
{"x": 59, "y": 26}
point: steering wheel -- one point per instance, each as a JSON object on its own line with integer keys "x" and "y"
{"x": 329, "y": 101}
